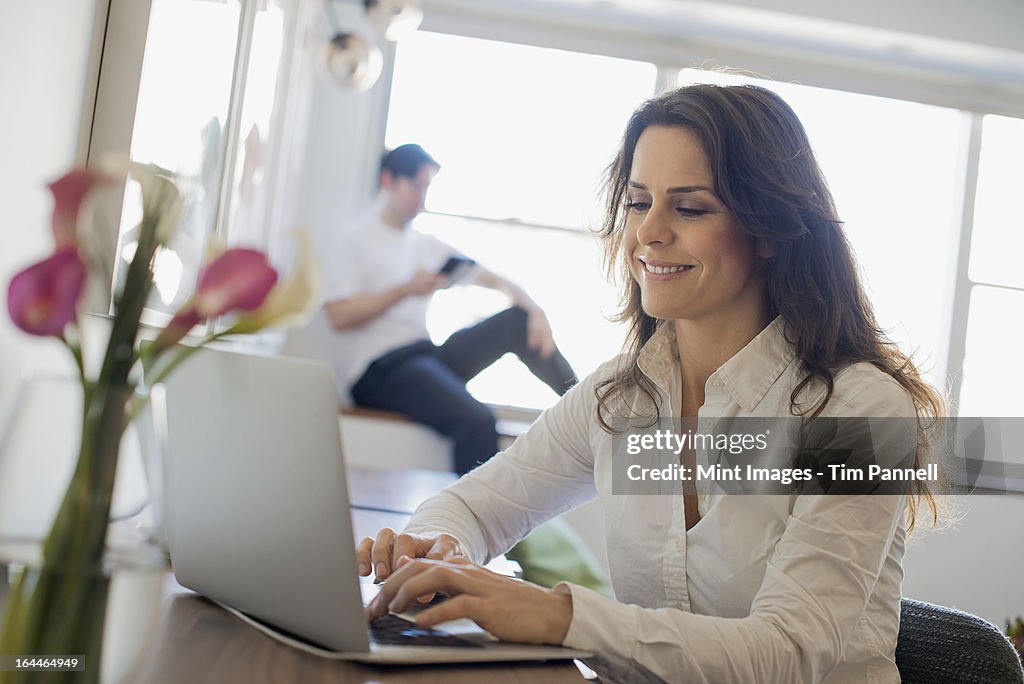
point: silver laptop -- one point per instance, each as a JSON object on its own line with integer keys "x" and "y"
{"x": 257, "y": 513}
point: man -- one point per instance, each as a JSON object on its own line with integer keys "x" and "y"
{"x": 378, "y": 290}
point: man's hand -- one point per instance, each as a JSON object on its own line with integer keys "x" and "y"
{"x": 424, "y": 283}
{"x": 360, "y": 309}
{"x": 539, "y": 337}
{"x": 510, "y": 609}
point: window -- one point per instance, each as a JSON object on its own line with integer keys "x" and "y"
{"x": 180, "y": 115}
{"x": 892, "y": 168}
{"x": 525, "y": 132}
{"x": 998, "y": 234}
{"x": 523, "y": 137}
{"x": 205, "y": 105}
{"x": 560, "y": 269}
{"x": 994, "y": 323}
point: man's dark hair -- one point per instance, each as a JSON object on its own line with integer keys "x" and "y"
{"x": 406, "y": 161}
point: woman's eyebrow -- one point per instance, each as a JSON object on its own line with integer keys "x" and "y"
{"x": 681, "y": 189}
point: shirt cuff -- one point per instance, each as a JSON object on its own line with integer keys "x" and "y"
{"x": 599, "y": 624}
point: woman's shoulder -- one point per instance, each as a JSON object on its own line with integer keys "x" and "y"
{"x": 590, "y": 386}
{"x": 863, "y": 389}
{"x": 606, "y": 371}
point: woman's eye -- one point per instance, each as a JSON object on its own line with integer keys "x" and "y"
{"x": 690, "y": 212}
{"x": 637, "y": 205}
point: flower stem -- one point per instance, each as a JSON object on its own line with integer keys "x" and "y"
{"x": 59, "y": 608}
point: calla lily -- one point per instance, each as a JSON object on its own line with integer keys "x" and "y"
{"x": 69, "y": 193}
{"x": 237, "y": 280}
{"x": 180, "y": 325}
{"x": 42, "y": 299}
{"x": 294, "y": 299}
{"x": 160, "y": 198}
{"x": 160, "y": 194}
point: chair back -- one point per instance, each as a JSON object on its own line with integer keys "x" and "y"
{"x": 938, "y": 644}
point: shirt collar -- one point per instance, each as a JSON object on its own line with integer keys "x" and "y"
{"x": 747, "y": 376}
{"x": 751, "y": 372}
{"x": 659, "y": 357}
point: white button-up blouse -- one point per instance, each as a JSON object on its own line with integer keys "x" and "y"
{"x": 764, "y": 588}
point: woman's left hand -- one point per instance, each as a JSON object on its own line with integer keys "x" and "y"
{"x": 510, "y": 609}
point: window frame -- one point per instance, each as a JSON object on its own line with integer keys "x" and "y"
{"x": 109, "y": 115}
{"x": 973, "y": 97}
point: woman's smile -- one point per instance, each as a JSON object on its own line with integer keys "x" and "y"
{"x": 656, "y": 271}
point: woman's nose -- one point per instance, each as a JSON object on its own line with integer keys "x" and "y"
{"x": 654, "y": 230}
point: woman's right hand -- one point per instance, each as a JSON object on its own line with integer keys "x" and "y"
{"x": 381, "y": 555}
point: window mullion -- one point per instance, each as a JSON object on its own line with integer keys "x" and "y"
{"x": 246, "y": 28}
{"x": 962, "y": 283}
{"x": 667, "y": 78}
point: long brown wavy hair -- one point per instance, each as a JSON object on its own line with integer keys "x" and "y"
{"x": 768, "y": 178}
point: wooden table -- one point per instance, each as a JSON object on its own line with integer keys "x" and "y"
{"x": 199, "y": 642}
{"x": 395, "y": 490}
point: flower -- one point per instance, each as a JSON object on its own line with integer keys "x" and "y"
{"x": 50, "y": 610}
{"x": 42, "y": 299}
{"x": 238, "y": 279}
{"x": 160, "y": 198}
{"x": 180, "y": 325}
{"x": 69, "y": 192}
{"x": 293, "y": 299}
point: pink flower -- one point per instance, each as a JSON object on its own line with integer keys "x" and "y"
{"x": 294, "y": 299}
{"x": 180, "y": 325}
{"x": 237, "y": 280}
{"x": 69, "y": 192}
{"x": 42, "y": 299}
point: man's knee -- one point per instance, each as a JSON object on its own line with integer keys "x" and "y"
{"x": 513, "y": 322}
{"x": 512, "y": 318}
{"x": 477, "y": 420}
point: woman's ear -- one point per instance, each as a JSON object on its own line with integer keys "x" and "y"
{"x": 765, "y": 249}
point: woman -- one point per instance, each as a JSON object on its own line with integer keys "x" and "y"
{"x": 743, "y": 300}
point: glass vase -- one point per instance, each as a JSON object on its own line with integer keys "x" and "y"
{"x": 64, "y": 566}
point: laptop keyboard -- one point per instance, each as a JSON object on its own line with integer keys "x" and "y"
{"x": 391, "y": 630}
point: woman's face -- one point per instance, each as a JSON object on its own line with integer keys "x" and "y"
{"x": 687, "y": 252}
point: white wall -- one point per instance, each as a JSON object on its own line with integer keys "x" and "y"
{"x": 44, "y": 50}
{"x": 976, "y": 565}
{"x": 344, "y": 138}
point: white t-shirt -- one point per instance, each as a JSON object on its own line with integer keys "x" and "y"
{"x": 373, "y": 258}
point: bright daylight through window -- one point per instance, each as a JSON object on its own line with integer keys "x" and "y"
{"x": 526, "y": 132}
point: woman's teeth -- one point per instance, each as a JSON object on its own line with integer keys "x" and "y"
{"x": 665, "y": 269}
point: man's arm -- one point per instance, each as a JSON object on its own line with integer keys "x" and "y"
{"x": 539, "y": 335}
{"x": 361, "y": 308}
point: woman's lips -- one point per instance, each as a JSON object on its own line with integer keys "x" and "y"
{"x": 663, "y": 270}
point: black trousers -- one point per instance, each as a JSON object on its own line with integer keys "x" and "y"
{"x": 428, "y": 382}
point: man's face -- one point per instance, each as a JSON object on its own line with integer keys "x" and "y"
{"x": 406, "y": 196}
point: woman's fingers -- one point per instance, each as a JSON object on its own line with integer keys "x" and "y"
{"x": 414, "y": 579}
{"x": 384, "y": 554}
{"x": 507, "y": 608}
{"x": 464, "y": 606}
{"x": 363, "y": 551}
{"x": 381, "y": 554}
{"x": 407, "y": 546}
{"x": 445, "y": 547}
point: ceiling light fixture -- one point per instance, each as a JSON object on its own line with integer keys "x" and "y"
{"x": 394, "y": 19}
